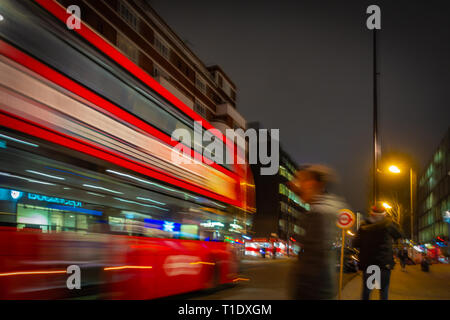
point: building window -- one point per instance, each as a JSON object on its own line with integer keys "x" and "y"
{"x": 100, "y": 27}
{"x": 285, "y": 173}
{"x": 127, "y": 47}
{"x": 200, "y": 109}
{"x": 225, "y": 87}
{"x": 161, "y": 47}
{"x": 284, "y": 190}
{"x": 155, "y": 72}
{"x": 159, "y": 72}
{"x": 200, "y": 84}
{"x": 438, "y": 157}
{"x": 233, "y": 94}
{"x": 220, "y": 80}
{"x": 128, "y": 15}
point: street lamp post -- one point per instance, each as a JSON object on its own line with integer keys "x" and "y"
{"x": 374, "y": 23}
{"x": 375, "y": 119}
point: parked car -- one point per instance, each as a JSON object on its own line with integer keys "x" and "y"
{"x": 351, "y": 260}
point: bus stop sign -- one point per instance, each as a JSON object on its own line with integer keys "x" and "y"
{"x": 346, "y": 219}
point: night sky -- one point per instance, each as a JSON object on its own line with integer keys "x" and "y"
{"x": 305, "y": 67}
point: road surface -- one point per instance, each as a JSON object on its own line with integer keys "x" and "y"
{"x": 268, "y": 279}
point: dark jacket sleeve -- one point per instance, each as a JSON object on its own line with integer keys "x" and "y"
{"x": 356, "y": 243}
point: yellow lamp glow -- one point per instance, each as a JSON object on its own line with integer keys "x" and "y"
{"x": 394, "y": 169}
{"x": 386, "y": 205}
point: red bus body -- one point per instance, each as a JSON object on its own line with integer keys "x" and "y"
{"x": 34, "y": 265}
{"x": 43, "y": 106}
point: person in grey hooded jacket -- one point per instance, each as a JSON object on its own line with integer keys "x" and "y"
{"x": 314, "y": 275}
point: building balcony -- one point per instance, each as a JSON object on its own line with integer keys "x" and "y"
{"x": 175, "y": 91}
{"x": 227, "y": 109}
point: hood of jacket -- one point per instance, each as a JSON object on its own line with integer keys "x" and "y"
{"x": 373, "y": 223}
{"x": 328, "y": 204}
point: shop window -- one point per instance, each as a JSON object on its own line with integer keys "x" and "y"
{"x": 30, "y": 215}
{"x": 116, "y": 224}
{"x": 69, "y": 222}
{"x": 82, "y": 222}
{"x": 56, "y": 221}
{"x": 189, "y": 231}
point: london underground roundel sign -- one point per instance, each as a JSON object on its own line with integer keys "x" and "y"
{"x": 346, "y": 219}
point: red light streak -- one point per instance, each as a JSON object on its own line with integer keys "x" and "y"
{"x": 241, "y": 279}
{"x": 127, "y": 267}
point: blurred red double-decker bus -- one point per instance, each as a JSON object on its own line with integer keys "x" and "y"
{"x": 86, "y": 174}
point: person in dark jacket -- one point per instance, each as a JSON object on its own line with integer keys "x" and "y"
{"x": 314, "y": 275}
{"x": 375, "y": 242}
{"x": 403, "y": 257}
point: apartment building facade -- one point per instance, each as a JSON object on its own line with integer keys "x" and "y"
{"x": 434, "y": 195}
{"x": 278, "y": 209}
{"x": 141, "y": 34}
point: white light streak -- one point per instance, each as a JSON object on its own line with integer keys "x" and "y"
{"x": 17, "y": 140}
{"x": 45, "y": 175}
{"x": 141, "y": 204}
{"x": 101, "y": 188}
{"x": 96, "y": 194}
{"x": 27, "y": 179}
{"x": 150, "y": 200}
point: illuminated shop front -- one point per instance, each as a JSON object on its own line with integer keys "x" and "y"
{"x": 48, "y": 213}
{"x": 257, "y": 246}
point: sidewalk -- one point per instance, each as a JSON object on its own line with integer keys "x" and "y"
{"x": 410, "y": 285}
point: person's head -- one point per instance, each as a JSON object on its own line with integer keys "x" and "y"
{"x": 377, "y": 211}
{"x": 311, "y": 181}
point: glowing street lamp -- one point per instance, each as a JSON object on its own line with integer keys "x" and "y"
{"x": 394, "y": 169}
{"x": 386, "y": 205}
{"x": 412, "y": 177}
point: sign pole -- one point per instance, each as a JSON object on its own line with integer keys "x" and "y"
{"x": 346, "y": 219}
{"x": 342, "y": 263}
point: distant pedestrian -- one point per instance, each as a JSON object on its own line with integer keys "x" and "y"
{"x": 315, "y": 275}
{"x": 403, "y": 257}
{"x": 274, "y": 251}
{"x": 425, "y": 263}
{"x": 375, "y": 241}
{"x": 263, "y": 252}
